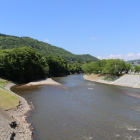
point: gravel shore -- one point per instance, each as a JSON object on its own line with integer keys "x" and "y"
{"x": 47, "y": 81}
{"x": 16, "y": 126}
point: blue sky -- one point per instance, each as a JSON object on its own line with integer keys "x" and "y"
{"x": 102, "y": 28}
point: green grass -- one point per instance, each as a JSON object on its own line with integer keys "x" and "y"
{"x": 110, "y": 78}
{"x": 7, "y": 99}
{"x": 2, "y": 87}
{"x": 3, "y": 82}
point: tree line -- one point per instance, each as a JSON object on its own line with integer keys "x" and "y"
{"x": 110, "y": 66}
{"x": 25, "y": 64}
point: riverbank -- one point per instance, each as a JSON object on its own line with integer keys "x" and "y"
{"x": 20, "y": 128}
{"x": 13, "y": 124}
{"x": 101, "y": 111}
{"x": 47, "y": 81}
{"x": 127, "y": 80}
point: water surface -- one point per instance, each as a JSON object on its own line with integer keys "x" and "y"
{"x": 83, "y": 110}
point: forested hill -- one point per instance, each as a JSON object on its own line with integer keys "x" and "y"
{"x": 10, "y": 42}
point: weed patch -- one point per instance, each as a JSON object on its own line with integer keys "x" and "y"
{"x": 110, "y": 78}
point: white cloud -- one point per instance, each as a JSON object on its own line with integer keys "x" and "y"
{"x": 130, "y": 56}
{"x": 99, "y": 57}
{"x": 115, "y": 56}
{"x": 46, "y": 40}
{"x": 111, "y": 56}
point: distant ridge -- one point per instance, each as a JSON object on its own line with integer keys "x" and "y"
{"x": 10, "y": 42}
{"x": 136, "y": 61}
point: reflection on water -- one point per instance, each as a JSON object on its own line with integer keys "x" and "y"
{"x": 83, "y": 110}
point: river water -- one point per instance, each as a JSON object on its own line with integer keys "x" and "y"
{"x": 83, "y": 110}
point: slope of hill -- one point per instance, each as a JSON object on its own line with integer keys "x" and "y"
{"x": 9, "y": 42}
{"x": 136, "y": 61}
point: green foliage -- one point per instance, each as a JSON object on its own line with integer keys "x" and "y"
{"x": 23, "y": 64}
{"x": 114, "y": 67}
{"x": 9, "y": 42}
{"x": 85, "y": 58}
{"x": 111, "y": 66}
{"x": 91, "y": 67}
{"x": 110, "y": 78}
{"x": 57, "y": 65}
{"x": 136, "y": 68}
{"x": 74, "y": 67}
{"x": 127, "y": 67}
{"x": 3, "y": 82}
{"x": 101, "y": 65}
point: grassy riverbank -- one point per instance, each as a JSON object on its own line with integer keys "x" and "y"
{"x": 7, "y": 100}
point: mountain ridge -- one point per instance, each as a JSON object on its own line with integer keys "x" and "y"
{"x": 46, "y": 49}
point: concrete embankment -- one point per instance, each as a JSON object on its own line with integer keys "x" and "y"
{"x": 128, "y": 81}
{"x": 125, "y": 80}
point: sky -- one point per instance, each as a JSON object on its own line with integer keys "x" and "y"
{"x": 102, "y": 28}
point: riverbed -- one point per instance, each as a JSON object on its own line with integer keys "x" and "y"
{"x": 83, "y": 110}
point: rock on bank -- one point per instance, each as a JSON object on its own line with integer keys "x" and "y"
{"x": 6, "y": 131}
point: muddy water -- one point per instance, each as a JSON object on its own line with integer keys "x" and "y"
{"x": 83, "y": 110}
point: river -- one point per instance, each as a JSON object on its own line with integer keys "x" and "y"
{"x": 83, "y": 110}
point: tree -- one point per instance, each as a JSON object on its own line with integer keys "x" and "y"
{"x": 23, "y": 64}
{"x": 57, "y": 65}
{"x": 101, "y": 64}
{"x": 128, "y": 67}
{"x": 74, "y": 67}
{"x": 91, "y": 67}
{"x": 114, "y": 67}
{"x": 136, "y": 68}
